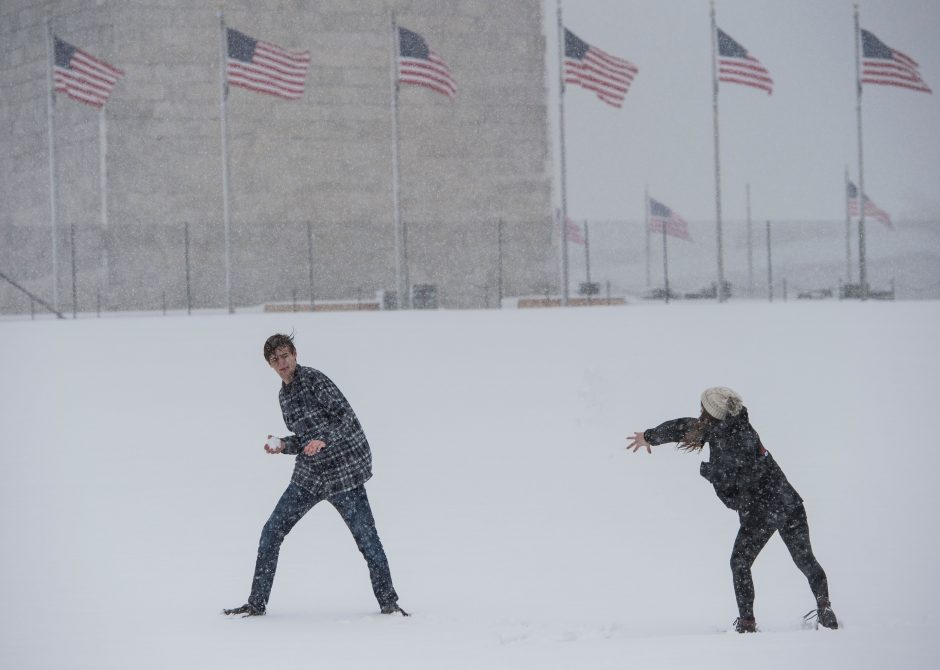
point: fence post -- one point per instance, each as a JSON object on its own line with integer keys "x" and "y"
{"x": 31, "y": 296}
{"x": 189, "y": 294}
{"x": 587, "y": 258}
{"x": 770, "y": 267}
{"x": 74, "y": 272}
{"x": 499, "y": 264}
{"x": 310, "y": 263}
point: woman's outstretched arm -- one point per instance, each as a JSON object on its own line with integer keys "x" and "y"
{"x": 670, "y": 431}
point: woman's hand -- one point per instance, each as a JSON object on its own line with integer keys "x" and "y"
{"x": 639, "y": 441}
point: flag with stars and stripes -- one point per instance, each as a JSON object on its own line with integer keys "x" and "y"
{"x": 421, "y": 65}
{"x": 663, "y": 218}
{"x": 889, "y": 67}
{"x": 82, "y": 76}
{"x": 264, "y": 67}
{"x": 737, "y": 66}
{"x": 871, "y": 209}
{"x": 596, "y": 70}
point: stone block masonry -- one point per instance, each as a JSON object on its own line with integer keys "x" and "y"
{"x": 325, "y": 160}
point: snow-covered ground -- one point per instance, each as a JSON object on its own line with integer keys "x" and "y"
{"x": 520, "y": 532}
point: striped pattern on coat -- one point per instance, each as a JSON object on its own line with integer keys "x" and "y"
{"x": 315, "y": 409}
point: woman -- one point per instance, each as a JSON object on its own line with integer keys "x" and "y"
{"x": 749, "y": 481}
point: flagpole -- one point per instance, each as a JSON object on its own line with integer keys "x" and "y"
{"x": 401, "y": 248}
{"x": 720, "y": 292}
{"x": 74, "y": 270}
{"x": 665, "y": 264}
{"x": 103, "y": 183}
{"x": 223, "y": 116}
{"x": 646, "y": 208}
{"x": 564, "y": 178}
{"x": 53, "y": 185}
{"x": 750, "y": 243}
{"x": 848, "y": 232}
{"x": 862, "y": 265}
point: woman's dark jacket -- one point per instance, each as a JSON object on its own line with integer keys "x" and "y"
{"x": 745, "y": 476}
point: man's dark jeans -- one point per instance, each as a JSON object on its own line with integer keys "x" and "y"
{"x": 353, "y": 506}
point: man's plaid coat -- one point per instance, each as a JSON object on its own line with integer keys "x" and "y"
{"x": 315, "y": 409}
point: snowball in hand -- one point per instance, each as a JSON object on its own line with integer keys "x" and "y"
{"x": 274, "y": 442}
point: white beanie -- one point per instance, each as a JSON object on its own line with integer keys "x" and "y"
{"x": 720, "y": 401}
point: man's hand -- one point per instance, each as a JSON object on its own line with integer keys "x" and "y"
{"x": 274, "y": 449}
{"x": 639, "y": 441}
{"x": 313, "y": 447}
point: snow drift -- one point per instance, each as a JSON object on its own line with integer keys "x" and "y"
{"x": 133, "y": 488}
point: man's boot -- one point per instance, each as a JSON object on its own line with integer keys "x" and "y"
{"x": 245, "y": 610}
{"x": 745, "y": 624}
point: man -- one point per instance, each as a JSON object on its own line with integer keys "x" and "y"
{"x": 333, "y": 464}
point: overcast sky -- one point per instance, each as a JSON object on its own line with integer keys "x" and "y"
{"x": 791, "y": 146}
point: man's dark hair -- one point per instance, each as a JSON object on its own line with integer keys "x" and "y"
{"x": 277, "y": 341}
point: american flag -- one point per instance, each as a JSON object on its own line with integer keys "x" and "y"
{"x": 596, "y": 70}
{"x": 883, "y": 65}
{"x": 871, "y": 209}
{"x": 82, "y": 76}
{"x": 663, "y": 218}
{"x": 573, "y": 232}
{"x": 420, "y": 65}
{"x": 265, "y": 67}
{"x": 737, "y": 66}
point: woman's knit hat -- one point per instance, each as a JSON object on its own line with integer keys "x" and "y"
{"x": 720, "y": 402}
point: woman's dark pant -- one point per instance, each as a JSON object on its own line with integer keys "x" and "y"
{"x": 296, "y": 501}
{"x": 756, "y": 529}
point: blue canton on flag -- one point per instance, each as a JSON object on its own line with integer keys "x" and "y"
{"x": 737, "y": 66}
